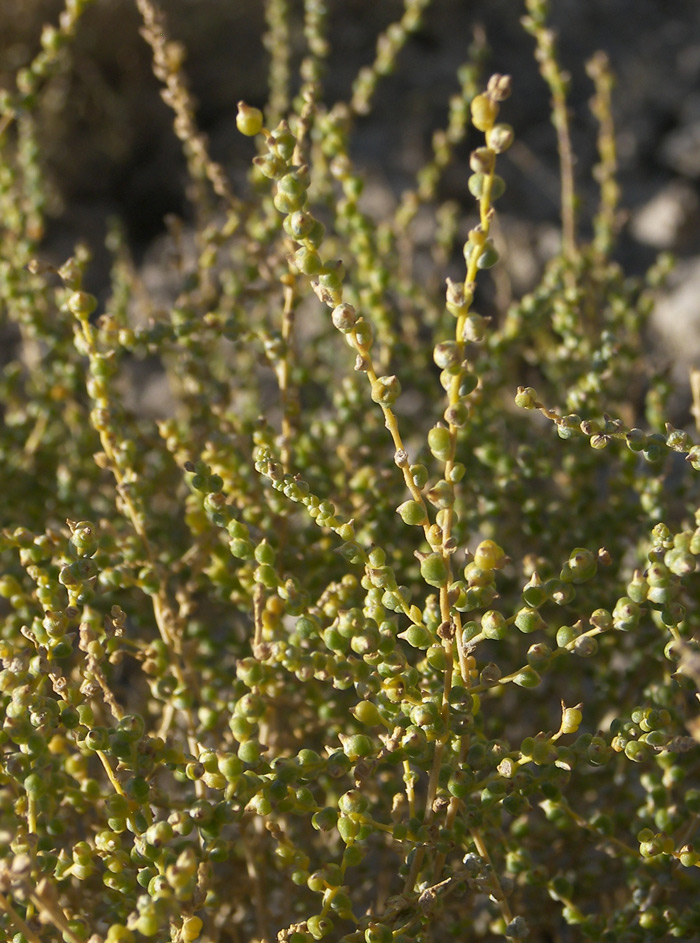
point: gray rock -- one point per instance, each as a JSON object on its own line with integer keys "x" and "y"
{"x": 675, "y": 322}
{"x": 666, "y": 220}
{"x": 680, "y": 150}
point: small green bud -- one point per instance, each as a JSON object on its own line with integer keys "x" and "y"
{"x": 378, "y": 933}
{"x": 527, "y": 678}
{"x": 489, "y": 556}
{"x": 581, "y": 566}
{"x": 447, "y": 355}
{"x": 441, "y": 495}
{"x": 249, "y": 752}
{"x": 159, "y": 834}
{"x": 290, "y": 195}
{"x": 413, "y": 513}
{"x": 637, "y": 751}
{"x": 363, "y": 334}
{"x": 272, "y": 167}
{"x": 82, "y": 304}
{"x": 601, "y": 619}
{"x": 478, "y": 184}
{"x": 35, "y": 785}
{"x": 599, "y": 441}
{"x": 249, "y": 121}
{"x": 386, "y": 390}
{"x": 319, "y": 926}
{"x": 655, "y": 450}
{"x": 439, "y": 442}
{"x": 598, "y": 752}
{"x": 433, "y": 569}
{"x": 83, "y": 537}
{"x": 138, "y": 789}
{"x": 626, "y": 614}
{"x": 498, "y": 187}
{"x": 456, "y": 473}
{"x": 457, "y": 415}
{"x": 377, "y": 557}
{"x": 419, "y": 475}
{"x": 283, "y": 141}
{"x": 308, "y": 261}
{"x": 484, "y": 111}
{"x": 488, "y": 255}
{"x": 299, "y": 225}
{"x": 529, "y": 620}
{"x": 78, "y": 572}
{"x": 566, "y": 634}
{"x": 469, "y": 382}
{"x": 356, "y": 746}
{"x": 55, "y": 624}
{"x": 436, "y": 657}
{"x": 680, "y": 562}
{"x": 368, "y": 714}
{"x": 353, "y": 802}
{"x": 316, "y": 234}
{"x": 344, "y": 317}
{"x": 132, "y": 726}
{"x": 425, "y": 714}
{"x": 526, "y": 398}
{"x": 352, "y": 552}
{"x": 677, "y": 439}
{"x": 332, "y": 275}
{"x": 636, "y": 440}
{"x": 534, "y": 592}
{"x": 478, "y": 576}
{"x": 418, "y": 636}
{"x": 637, "y": 588}
{"x": 118, "y": 933}
{"x": 482, "y": 160}
{"x": 265, "y": 553}
{"x": 569, "y": 427}
{"x": 266, "y": 575}
{"x": 539, "y": 655}
{"x": 231, "y": 767}
{"x": 493, "y": 624}
{"x": 191, "y": 929}
{"x": 688, "y": 857}
{"x": 9, "y": 586}
{"x": 325, "y": 819}
{"x": 241, "y": 548}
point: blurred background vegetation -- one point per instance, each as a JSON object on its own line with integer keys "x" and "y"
{"x": 109, "y": 149}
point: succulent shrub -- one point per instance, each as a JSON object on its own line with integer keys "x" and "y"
{"x": 387, "y": 631}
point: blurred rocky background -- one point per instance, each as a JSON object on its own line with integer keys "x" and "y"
{"x": 110, "y": 151}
